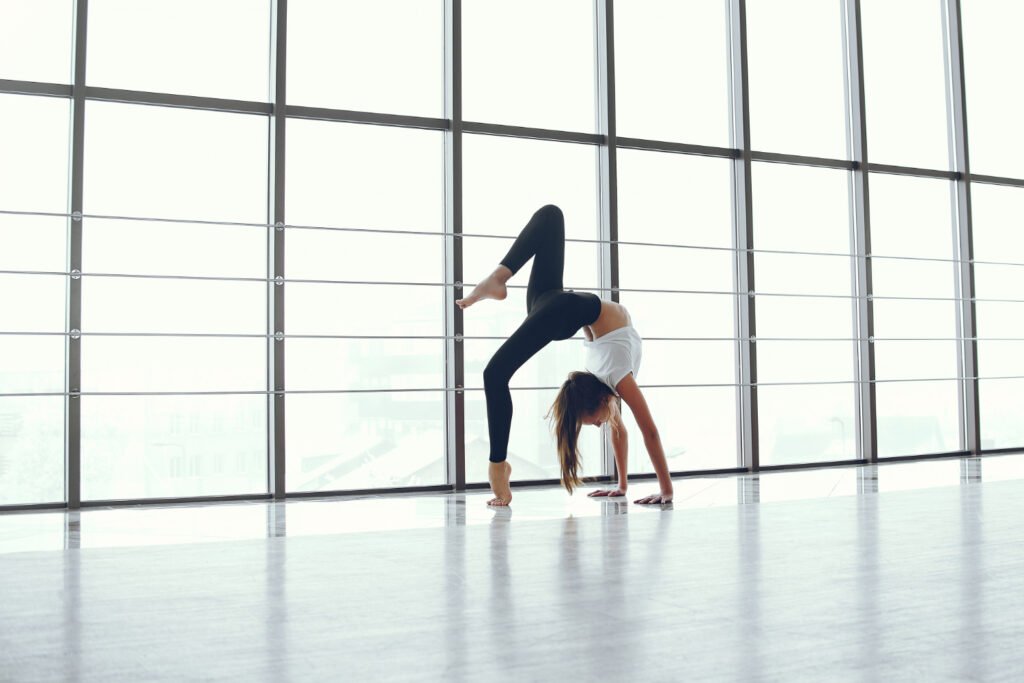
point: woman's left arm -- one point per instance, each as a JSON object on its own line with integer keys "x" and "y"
{"x": 634, "y": 398}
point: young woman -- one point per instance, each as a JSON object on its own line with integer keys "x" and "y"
{"x": 613, "y": 360}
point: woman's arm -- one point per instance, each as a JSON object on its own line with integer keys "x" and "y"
{"x": 634, "y": 398}
{"x": 620, "y": 447}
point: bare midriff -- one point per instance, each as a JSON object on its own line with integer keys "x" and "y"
{"x": 613, "y": 316}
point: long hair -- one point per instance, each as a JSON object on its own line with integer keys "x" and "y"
{"x": 581, "y": 395}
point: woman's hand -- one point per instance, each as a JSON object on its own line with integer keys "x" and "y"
{"x": 657, "y": 499}
{"x": 607, "y": 493}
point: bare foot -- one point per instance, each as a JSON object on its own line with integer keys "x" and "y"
{"x": 492, "y": 287}
{"x": 499, "y": 474}
{"x": 609, "y": 493}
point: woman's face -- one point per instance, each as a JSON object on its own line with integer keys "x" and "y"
{"x": 598, "y": 418}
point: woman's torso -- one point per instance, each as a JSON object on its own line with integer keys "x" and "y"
{"x": 613, "y": 316}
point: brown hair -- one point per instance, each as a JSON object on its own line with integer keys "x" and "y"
{"x": 581, "y": 395}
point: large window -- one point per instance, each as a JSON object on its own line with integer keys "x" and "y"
{"x": 999, "y": 266}
{"x": 805, "y": 351}
{"x": 795, "y": 50}
{"x": 506, "y": 180}
{"x": 915, "y": 315}
{"x": 149, "y": 327}
{"x": 675, "y": 223}
{"x": 33, "y": 177}
{"x": 364, "y": 312}
{"x": 179, "y": 220}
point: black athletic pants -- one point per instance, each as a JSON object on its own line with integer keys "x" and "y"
{"x": 551, "y": 314}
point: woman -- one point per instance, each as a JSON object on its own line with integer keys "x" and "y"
{"x": 613, "y": 359}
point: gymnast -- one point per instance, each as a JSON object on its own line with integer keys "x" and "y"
{"x": 591, "y": 397}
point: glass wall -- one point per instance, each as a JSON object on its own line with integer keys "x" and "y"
{"x": 174, "y": 221}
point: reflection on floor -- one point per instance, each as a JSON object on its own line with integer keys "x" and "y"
{"x": 156, "y": 525}
{"x": 909, "y": 571}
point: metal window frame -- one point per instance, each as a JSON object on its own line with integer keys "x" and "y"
{"x": 455, "y": 401}
{"x": 860, "y": 232}
{"x": 963, "y": 236}
{"x": 748, "y": 446}
{"x": 276, "y": 425}
{"x": 606, "y": 143}
{"x": 73, "y": 402}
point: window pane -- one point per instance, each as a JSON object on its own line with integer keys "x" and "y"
{"x": 364, "y": 257}
{"x": 531, "y": 446}
{"x": 799, "y": 424}
{"x": 795, "y": 57}
{"x": 32, "y": 303}
{"x": 385, "y": 56}
{"x": 549, "y": 368}
{"x": 360, "y": 176}
{"x": 996, "y": 213}
{"x": 533, "y": 66}
{"x": 33, "y": 243}
{"x": 805, "y": 361}
{"x": 331, "y": 364}
{"x": 358, "y": 441}
{"x": 994, "y": 110}
{"x": 173, "y": 306}
{"x": 173, "y": 364}
{"x": 31, "y": 364}
{"x": 912, "y": 217}
{"x": 141, "y": 247}
{"x": 187, "y": 47}
{"x": 31, "y": 427}
{"x": 35, "y": 143}
{"x": 905, "y": 82}
{"x": 688, "y": 362}
{"x": 672, "y": 71}
{"x": 659, "y": 314}
{"x": 173, "y": 446}
{"x": 697, "y": 429}
{"x": 175, "y": 163}
{"x": 410, "y": 309}
{"x": 804, "y": 209}
{"x": 674, "y": 198}
{"x": 32, "y": 449}
{"x": 917, "y": 418}
{"x": 673, "y": 268}
{"x": 999, "y": 401}
{"x": 35, "y": 40}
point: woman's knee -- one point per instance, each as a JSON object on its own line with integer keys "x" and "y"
{"x": 495, "y": 376}
{"x": 552, "y": 214}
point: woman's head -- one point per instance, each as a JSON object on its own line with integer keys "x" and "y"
{"x": 583, "y": 399}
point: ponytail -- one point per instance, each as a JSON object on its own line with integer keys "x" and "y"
{"x": 581, "y": 395}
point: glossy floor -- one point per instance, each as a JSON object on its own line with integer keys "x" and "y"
{"x": 911, "y": 571}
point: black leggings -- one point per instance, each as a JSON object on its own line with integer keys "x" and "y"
{"x": 551, "y": 314}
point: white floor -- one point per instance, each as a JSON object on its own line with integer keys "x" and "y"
{"x": 911, "y": 571}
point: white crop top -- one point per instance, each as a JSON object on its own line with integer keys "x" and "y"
{"x": 614, "y": 355}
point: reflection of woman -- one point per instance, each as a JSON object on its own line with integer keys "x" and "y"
{"x": 613, "y": 360}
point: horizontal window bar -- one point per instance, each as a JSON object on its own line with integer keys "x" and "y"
{"x": 532, "y": 133}
{"x": 386, "y": 231}
{"x": 402, "y": 283}
{"x": 441, "y": 337}
{"x": 474, "y": 389}
{"x": 909, "y": 171}
{"x": 645, "y": 145}
{"x": 373, "y": 118}
{"x": 996, "y": 180}
{"x": 178, "y": 101}
{"x": 800, "y": 160}
{"x": 34, "y": 88}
